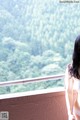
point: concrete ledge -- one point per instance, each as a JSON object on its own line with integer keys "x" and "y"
{"x": 30, "y": 93}
{"x": 37, "y": 105}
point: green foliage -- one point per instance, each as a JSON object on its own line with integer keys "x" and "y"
{"x": 36, "y": 39}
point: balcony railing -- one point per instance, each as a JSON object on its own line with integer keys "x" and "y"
{"x": 35, "y": 105}
{"x": 30, "y": 80}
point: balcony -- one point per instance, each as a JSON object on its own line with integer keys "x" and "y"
{"x": 48, "y": 104}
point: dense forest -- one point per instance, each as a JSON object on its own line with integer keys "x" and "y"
{"x": 36, "y": 39}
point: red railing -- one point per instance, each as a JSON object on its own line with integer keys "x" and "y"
{"x": 30, "y": 80}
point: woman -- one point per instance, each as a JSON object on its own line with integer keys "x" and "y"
{"x": 72, "y": 82}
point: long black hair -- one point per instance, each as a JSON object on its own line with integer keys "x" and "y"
{"x": 76, "y": 59}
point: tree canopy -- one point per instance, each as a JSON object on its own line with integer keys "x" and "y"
{"x": 36, "y": 39}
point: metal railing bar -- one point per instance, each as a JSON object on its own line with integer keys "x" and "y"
{"x": 30, "y": 80}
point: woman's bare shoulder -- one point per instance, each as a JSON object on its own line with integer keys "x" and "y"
{"x": 69, "y": 66}
{"x": 68, "y": 69}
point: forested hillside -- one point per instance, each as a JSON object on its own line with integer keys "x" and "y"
{"x": 36, "y": 39}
